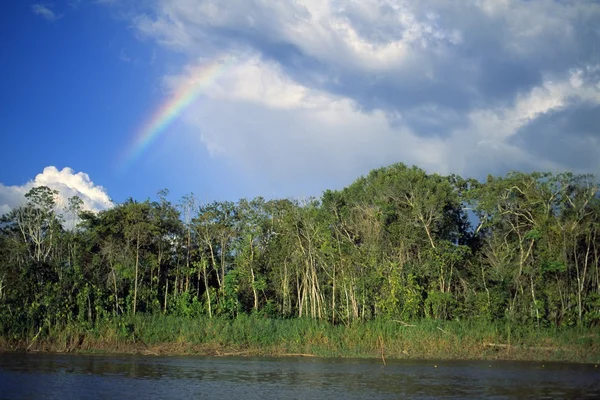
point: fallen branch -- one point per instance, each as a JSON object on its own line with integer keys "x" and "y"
{"x": 236, "y": 353}
{"x": 34, "y": 339}
{"x": 403, "y": 323}
{"x": 298, "y": 355}
{"x": 501, "y": 345}
{"x": 509, "y": 346}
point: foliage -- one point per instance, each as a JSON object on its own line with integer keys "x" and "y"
{"x": 396, "y": 245}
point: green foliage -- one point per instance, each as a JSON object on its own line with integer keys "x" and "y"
{"x": 439, "y": 305}
{"x": 395, "y": 245}
{"x": 187, "y": 305}
{"x": 592, "y": 304}
{"x": 551, "y": 267}
{"x": 230, "y": 305}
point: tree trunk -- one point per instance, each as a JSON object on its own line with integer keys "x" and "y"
{"x": 254, "y": 292}
{"x": 204, "y": 269}
{"x": 166, "y": 294}
{"x": 135, "y": 284}
{"x": 333, "y": 297}
{"x": 115, "y": 288}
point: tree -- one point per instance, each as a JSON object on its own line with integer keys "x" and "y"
{"x": 38, "y": 222}
{"x": 138, "y": 231}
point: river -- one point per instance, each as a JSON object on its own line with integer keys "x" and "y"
{"x": 54, "y": 376}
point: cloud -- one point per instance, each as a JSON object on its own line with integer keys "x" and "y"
{"x": 66, "y": 181}
{"x": 569, "y": 137}
{"x": 293, "y": 136}
{"x": 45, "y": 12}
{"x": 390, "y": 53}
{"x": 123, "y": 56}
{"x": 324, "y": 90}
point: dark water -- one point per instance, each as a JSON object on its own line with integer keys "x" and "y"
{"x": 45, "y": 376}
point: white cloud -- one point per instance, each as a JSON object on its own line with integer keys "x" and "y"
{"x": 45, "y": 12}
{"x": 66, "y": 181}
{"x": 486, "y": 140}
{"x": 267, "y": 124}
{"x": 327, "y": 89}
{"x": 252, "y": 79}
{"x": 260, "y": 120}
{"x": 362, "y": 35}
{"x": 551, "y": 95}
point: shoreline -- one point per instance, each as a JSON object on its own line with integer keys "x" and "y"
{"x": 487, "y": 352}
{"x": 256, "y": 336}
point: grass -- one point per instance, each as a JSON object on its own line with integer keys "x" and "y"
{"x": 250, "y": 335}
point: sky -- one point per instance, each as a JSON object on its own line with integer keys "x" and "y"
{"x": 112, "y": 99}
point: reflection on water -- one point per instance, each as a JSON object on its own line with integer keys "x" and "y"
{"x": 72, "y": 376}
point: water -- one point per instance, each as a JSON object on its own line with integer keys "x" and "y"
{"x": 49, "y": 376}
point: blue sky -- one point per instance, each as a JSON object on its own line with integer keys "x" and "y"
{"x": 320, "y": 92}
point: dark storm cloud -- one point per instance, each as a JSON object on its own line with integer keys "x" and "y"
{"x": 483, "y": 84}
{"x": 570, "y": 137}
{"x": 459, "y": 57}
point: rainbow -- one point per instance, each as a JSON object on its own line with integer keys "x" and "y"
{"x": 201, "y": 78}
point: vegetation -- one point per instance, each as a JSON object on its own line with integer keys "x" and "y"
{"x": 513, "y": 260}
{"x": 251, "y": 335}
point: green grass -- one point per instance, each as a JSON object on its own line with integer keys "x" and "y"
{"x": 250, "y": 335}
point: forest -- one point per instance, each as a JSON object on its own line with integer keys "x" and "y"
{"x": 397, "y": 244}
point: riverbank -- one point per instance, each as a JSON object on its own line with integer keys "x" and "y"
{"x": 255, "y": 336}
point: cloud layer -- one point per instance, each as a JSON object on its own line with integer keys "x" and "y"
{"x": 66, "y": 181}
{"x": 324, "y": 90}
{"x": 45, "y": 12}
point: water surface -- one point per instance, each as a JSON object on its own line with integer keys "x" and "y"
{"x": 50, "y": 376}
